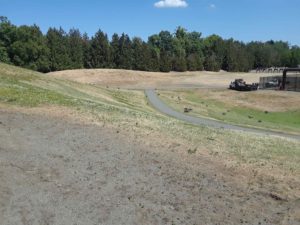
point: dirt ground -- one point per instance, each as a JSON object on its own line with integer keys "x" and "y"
{"x": 143, "y": 80}
{"x": 58, "y": 169}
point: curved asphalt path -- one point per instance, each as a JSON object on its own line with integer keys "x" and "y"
{"x": 163, "y": 108}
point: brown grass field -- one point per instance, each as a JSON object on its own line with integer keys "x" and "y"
{"x": 141, "y": 80}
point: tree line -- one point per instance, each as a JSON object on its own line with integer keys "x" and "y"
{"x": 28, "y": 47}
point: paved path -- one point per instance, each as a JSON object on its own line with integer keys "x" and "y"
{"x": 162, "y": 107}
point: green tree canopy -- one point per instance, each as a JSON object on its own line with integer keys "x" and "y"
{"x": 76, "y": 51}
{"x": 57, "y": 41}
{"x": 26, "y": 46}
{"x": 100, "y": 50}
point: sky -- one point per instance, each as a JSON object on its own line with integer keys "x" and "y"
{"x": 244, "y": 20}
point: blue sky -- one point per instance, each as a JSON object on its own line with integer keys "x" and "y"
{"x": 244, "y": 20}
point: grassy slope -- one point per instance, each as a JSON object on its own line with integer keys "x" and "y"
{"x": 202, "y": 105}
{"x": 127, "y": 108}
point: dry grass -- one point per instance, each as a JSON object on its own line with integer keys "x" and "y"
{"x": 142, "y": 80}
{"x": 130, "y": 112}
{"x": 272, "y": 101}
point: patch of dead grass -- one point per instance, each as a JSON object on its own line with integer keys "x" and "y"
{"x": 141, "y": 80}
{"x": 272, "y": 101}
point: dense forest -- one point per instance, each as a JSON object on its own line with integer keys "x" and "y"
{"x": 28, "y": 47}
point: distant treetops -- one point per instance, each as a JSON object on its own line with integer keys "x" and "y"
{"x": 28, "y": 47}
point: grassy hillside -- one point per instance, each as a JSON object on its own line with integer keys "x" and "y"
{"x": 130, "y": 111}
{"x": 264, "y": 109}
{"x": 27, "y": 88}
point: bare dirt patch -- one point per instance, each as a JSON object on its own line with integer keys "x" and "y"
{"x": 61, "y": 170}
{"x": 143, "y": 80}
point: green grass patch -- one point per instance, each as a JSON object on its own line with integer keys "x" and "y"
{"x": 16, "y": 92}
{"x": 288, "y": 121}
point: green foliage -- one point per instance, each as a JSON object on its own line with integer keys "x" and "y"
{"x": 211, "y": 63}
{"x": 179, "y": 64}
{"x": 154, "y": 61}
{"x": 57, "y": 42}
{"x": 141, "y": 55}
{"x": 194, "y": 62}
{"x": 122, "y": 52}
{"x": 114, "y": 50}
{"x": 270, "y": 54}
{"x": 194, "y": 51}
{"x": 30, "y": 49}
{"x": 214, "y": 51}
{"x": 295, "y": 56}
{"x": 86, "y": 45}
{"x": 3, "y": 54}
{"x": 7, "y": 32}
{"x": 100, "y": 51}
{"x": 165, "y": 61}
{"x": 125, "y": 53}
{"x": 236, "y": 57}
{"x": 76, "y": 51}
{"x": 26, "y": 46}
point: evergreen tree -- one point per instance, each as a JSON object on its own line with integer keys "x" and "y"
{"x": 76, "y": 52}
{"x": 165, "y": 41}
{"x": 140, "y": 54}
{"x": 26, "y": 46}
{"x": 115, "y": 51}
{"x": 125, "y": 52}
{"x": 100, "y": 51}
{"x": 57, "y": 42}
{"x": 86, "y": 46}
{"x": 165, "y": 61}
{"x": 153, "y": 62}
{"x": 154, "y": 49}
{"x": 165, "y": 45}
{"x": 154, "y": 42}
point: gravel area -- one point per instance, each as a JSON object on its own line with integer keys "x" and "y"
{"x": 61, "y": 171}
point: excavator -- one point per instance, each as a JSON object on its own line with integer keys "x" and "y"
{"x": 241, "y": 85}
